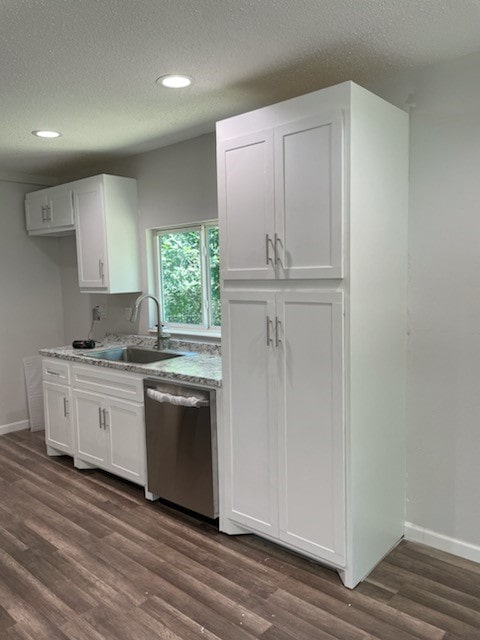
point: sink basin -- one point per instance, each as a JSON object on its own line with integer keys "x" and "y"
{"x": 133, "y": 355}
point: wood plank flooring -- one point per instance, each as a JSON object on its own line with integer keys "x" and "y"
{"x": 84, "y": 557}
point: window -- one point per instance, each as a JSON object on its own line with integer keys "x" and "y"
{"x": 188, "y": 276}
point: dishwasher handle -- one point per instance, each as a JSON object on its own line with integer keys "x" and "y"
{"x": 193, "y": 400}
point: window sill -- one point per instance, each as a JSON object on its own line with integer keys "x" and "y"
{"x": 204, "y": 335}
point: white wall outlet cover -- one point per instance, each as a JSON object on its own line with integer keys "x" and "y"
{"x": 99, "y": 313}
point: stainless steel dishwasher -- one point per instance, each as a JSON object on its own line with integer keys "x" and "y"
{"x": 181, "y": 445}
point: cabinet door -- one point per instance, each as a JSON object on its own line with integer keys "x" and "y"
{"x": 90, "y": 432}
{"x": 125, "y": 426}
{"x": 60, "y": 207}
{"x": 308, "y": 197}
{"x": 91, "y": 235}
{"x": 246, "y": 206}
{"x": 310, "y": 421}
{"x": 35, "y": 210}
{"x": 249, "y": 388}
{"x": 58, "y": 421}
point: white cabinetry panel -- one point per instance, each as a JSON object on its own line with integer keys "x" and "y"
{"x": 251, "y": 377}
{"x": 284, "y": 417}
{"x": 107, "y": 234}
{"x": 280, "y": 201}
{"x": 57, "y": 406}
{"x": 110, "y": 427}
{"x": 60, "y": 203}
{"x": 91, "y": 436}
{"x": 310, "y": 422}
{"x": 110, "y": 434}
{"x": 338, "y": 259}
{"x": 49, "y": 211}
{"x": 246, "y": 196}
{"x": 91, "y": 235}
{"x": 99, "y": 419}
{"x": 58, "y": 420}
{"x": 125, "y": 425}
{"x": 35, "y": 214}
{"x": 308, "y": 197}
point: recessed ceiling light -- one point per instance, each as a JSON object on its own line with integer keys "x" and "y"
{"x": 174, "y": 81}
{"x": 41, "y": 133}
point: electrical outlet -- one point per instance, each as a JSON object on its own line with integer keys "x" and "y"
{"x": 99, "y": 313}
{"x": 128, "y": 313}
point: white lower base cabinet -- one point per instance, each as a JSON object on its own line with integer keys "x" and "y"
{"x": 57, "y": 401}
{"x": 110, "y": 434}
{"x": 58, "y": 419}
{"x": 284, "y": 428}
{"x": 96, "y": 415}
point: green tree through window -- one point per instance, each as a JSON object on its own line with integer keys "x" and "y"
{"x": 214, "y": 263}
{"x": 189, "y": 276}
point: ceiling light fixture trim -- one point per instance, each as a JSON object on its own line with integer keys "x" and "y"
{"x": 46, "y": 133}
{"x": 174, "y": 81}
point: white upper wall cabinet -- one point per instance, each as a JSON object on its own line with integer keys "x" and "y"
{"x": 280, "y": 200}
{"x": 50, "y": 211}
{"x": 102, "y": 210}
{"x": 107, "y": 234}
{"x": 91, "y": 235}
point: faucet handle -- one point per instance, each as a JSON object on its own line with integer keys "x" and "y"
{"x": 162, "y": 332}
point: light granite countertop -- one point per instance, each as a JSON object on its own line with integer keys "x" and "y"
{"x": 201, "y": 366}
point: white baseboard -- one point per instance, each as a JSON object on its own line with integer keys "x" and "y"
{"x": 443, "y": 543}
{"x": 14, "y": 426}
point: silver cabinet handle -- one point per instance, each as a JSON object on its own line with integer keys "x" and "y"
{"x": 100, "y": 420}
{"x": 52, "y": 373}
{"x": 100, "y": 269}
{"x": 277, "y": 325}
{"x": 277, "y": 242}
{"x": 46, "y": 213}
{"x": 269, "y": 339}
{"x": 65, "y": 408}
{"x": 105, "y": 421}
{"x": 268, "y": 242}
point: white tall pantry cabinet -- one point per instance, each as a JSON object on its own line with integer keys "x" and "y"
{"x": 313, "y": 196}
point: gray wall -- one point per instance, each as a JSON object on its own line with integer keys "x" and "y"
{"x": 31, "y": 309}
{"x": 443, "y": 397}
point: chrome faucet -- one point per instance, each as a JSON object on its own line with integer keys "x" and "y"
{"x": 134, "y": 314}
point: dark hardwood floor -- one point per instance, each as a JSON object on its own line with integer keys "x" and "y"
{"x": 84, "y": 557}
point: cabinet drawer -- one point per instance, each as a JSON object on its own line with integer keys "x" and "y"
{"x": 128, "y": 386}
{"x": 56, "y": 371}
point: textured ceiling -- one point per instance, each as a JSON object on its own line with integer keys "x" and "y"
{"x": 88, "y": 67}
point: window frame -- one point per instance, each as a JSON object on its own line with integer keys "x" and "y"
{"x": 184, "y": 328}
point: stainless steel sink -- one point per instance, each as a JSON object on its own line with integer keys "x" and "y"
{"x": 133, "y": 355}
